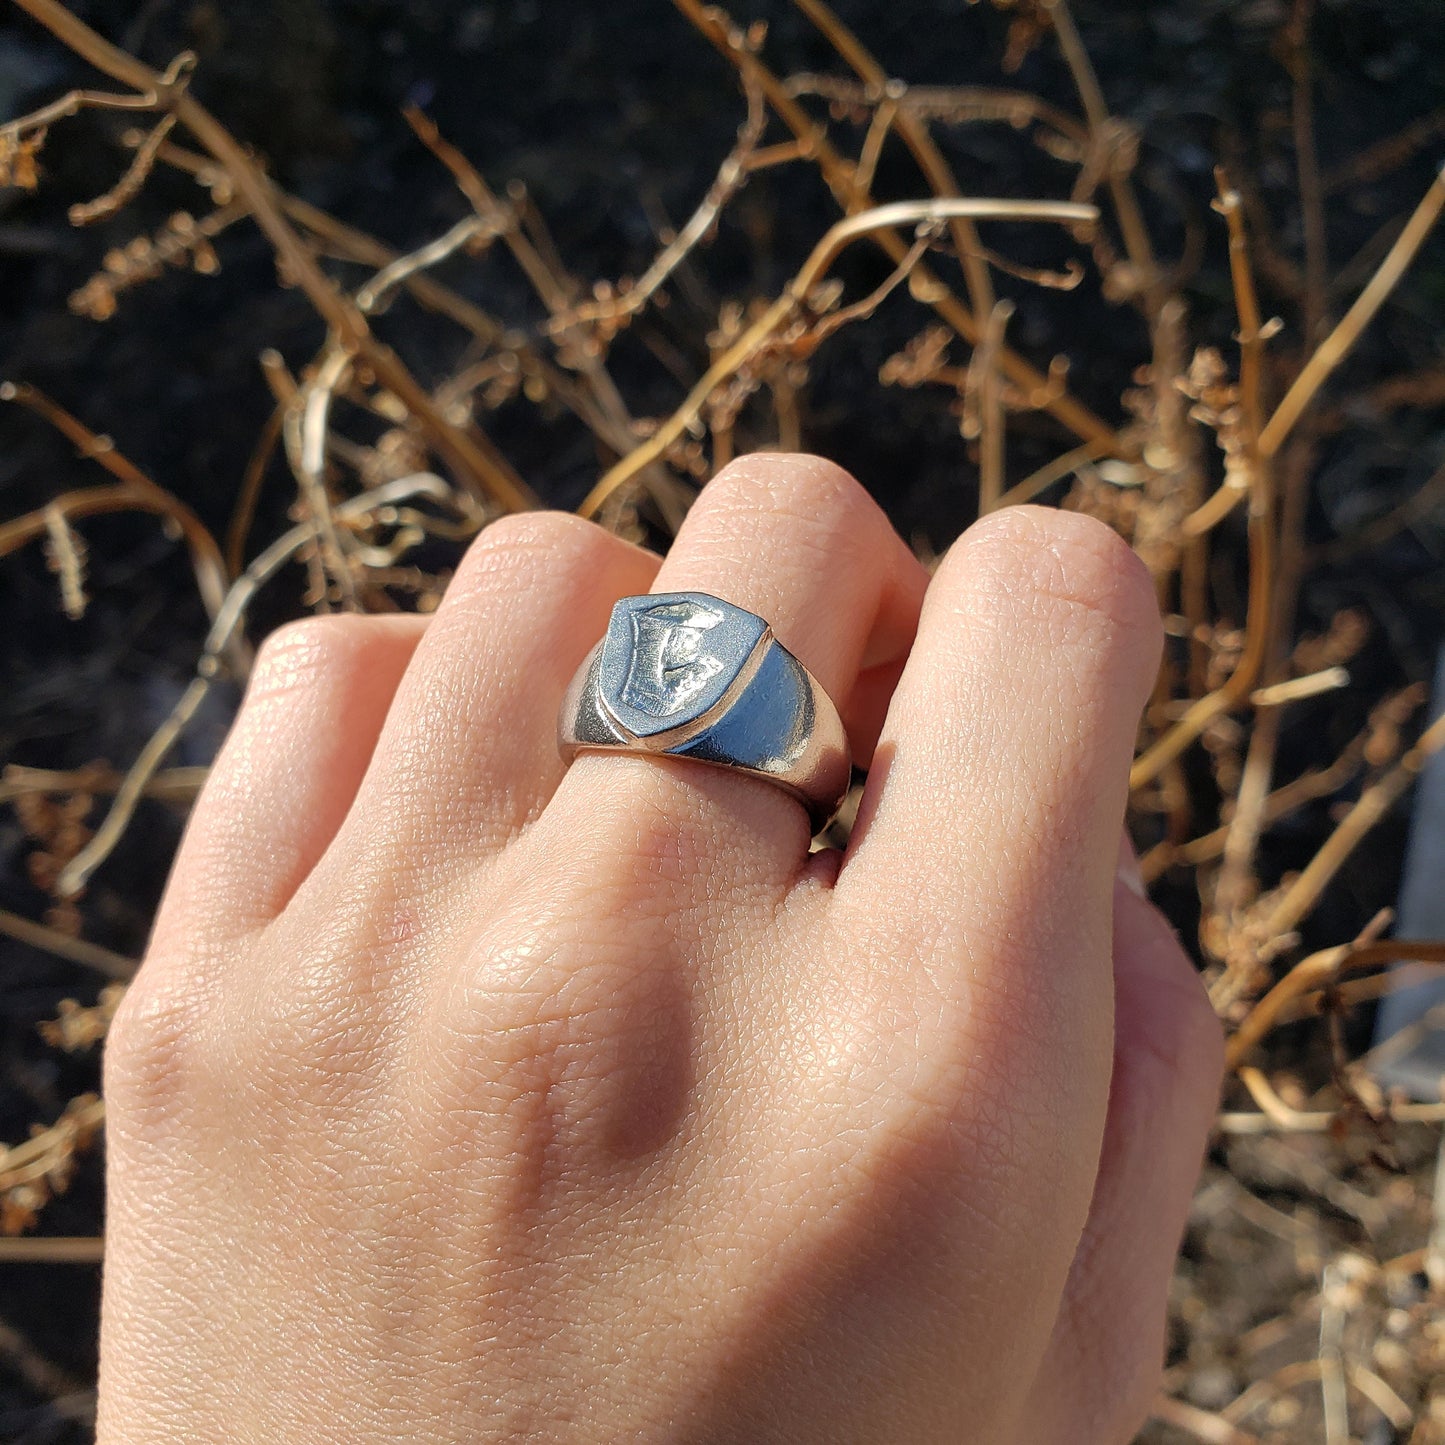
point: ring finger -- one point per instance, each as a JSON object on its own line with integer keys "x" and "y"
{"x": 798, "y": 542}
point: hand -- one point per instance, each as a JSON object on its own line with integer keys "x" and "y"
{"x": 465, "y": 1098}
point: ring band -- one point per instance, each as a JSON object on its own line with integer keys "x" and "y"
{"x": 687, "y": 675}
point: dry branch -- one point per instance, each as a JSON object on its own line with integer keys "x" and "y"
{"x": 795, "y": 300}
{"x": 296, "y": 260}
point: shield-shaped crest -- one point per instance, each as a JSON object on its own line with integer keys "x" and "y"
{"x": 668, "y": 658}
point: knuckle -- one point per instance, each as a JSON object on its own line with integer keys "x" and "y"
{"x": 811, "y": 491}
{"x": 321, "y": 1041}
{"x": 571, "y": 1021}
{"x": 155, "y": 1053}
{"x": 526, "y": 548}
{"x": 1054, "y": 564}
{"x": 297, "y": 653}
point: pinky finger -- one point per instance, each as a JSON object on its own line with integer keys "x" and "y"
{"x": 1105, "y": 1359}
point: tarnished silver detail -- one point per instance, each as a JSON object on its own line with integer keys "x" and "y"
{"x": 669, "y": 664}
{"x": 688, "y": 675}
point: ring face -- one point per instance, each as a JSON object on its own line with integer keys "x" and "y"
{"x": 669, "y": 659}
{"x": 687, "y": 675}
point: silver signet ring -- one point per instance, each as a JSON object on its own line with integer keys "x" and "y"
{"x": 687, "y": 675}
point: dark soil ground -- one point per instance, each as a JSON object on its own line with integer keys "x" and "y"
{"x": 615, "y": 116}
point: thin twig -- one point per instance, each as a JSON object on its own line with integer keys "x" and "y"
{"x": 1049, "y": 473}
{"x": 1103, "y": 134}
{"x": 1258, "y": 487}
{"x": 175, "y": 784}
{"x": 881, "y": 219}
{"x": 1301, "y": 896}
{"x": 992, "y": 425}
{"x": 1315, "y": 972}
{"x": 1320, "y": 1121}
{"x": 296, "y": 260}
{"x": 838, "y": 173}
{"x": 1307, "y": 167}
{"x": 914, "y": 133}
{"x": 62, "y": 945}
{"x": 1338, "y": 344}
{"x": 51, "y": 1249}
{"x": 1204, "y": 1425}
{"x": 1333, "y": 1388}
{"x": 206, "y": 559}
{"x": 74, "y": 875}
{"x": 305, "y": 432}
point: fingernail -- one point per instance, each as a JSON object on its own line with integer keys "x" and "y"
{"x": 1128, "y": 868}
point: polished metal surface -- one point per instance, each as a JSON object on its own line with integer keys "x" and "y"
{"x": 687, "y": 675}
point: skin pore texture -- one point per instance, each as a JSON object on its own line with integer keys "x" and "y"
{"x": 465, "y": 1097}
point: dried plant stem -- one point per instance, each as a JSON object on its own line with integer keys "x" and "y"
{"x": 1204, "y": 1425}
{"x": 949, "y": 104}
{"x": 1318, "y": 1121}
{"x": 1340, "y": 341}
{"x": 1420, "y": 504}
{"x": 128, "y": 187}
{"x": 840, "y": 177}
{"x": 1101, "y": 126}
{"x": 305, "y": 430}
{"x": 1276, "y": 1116}
{"x": 1279, "y": 804}
{"x": 206, "y": 560}
{"x": 376, "y": 295}
{"x": 1366, "y": 990}
{"x": 1251, "y": 365}
{"x": 1333, "y": 350}
{"x": 297, "y": 262}
{"x": 52, "y": 1249}
{"x": 1331, "y": 1359}
{"x": 1051, "y": 472}
{"x": 36, "y": 1157}
{"x": 62, "y": 945}
{"x": 175, "y": 784}
{"x": 914, "y": 133}
{"x": 1318, "y": 971}
{"x": 72, "y": 103}
{"x": 67, "y": 1395}
{"x": 1307, "y": 168}
{"x": 76, "y": 873}
{"x": 1378, "y": 160}
{"x": 992, "y": 425}
{"x": 1296, "y": 689}
{"x": 743, "y": 160}
{"x": 1301, "y": 896}
{"x": 884, "y": 219}
{"x": 557, "y": 292}
{"x": 354, "y": 245}
{"x": 349, "y": 244}
{"x": 1241, "y": 681}
{"x": 244, "y": 512}
{"x": 1258, "y": 486}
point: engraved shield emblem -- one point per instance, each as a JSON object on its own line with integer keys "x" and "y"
{"x": 667, "y": 659}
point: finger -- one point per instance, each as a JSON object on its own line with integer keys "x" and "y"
{"x": 1010, "y": 735}
{"x": 1102, "y": 1369}
{"x": 797, "y": 541}
{"x": 994, "y": 808}
{"x": 469, "y": 751}
{"x": 289, "y": 771}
